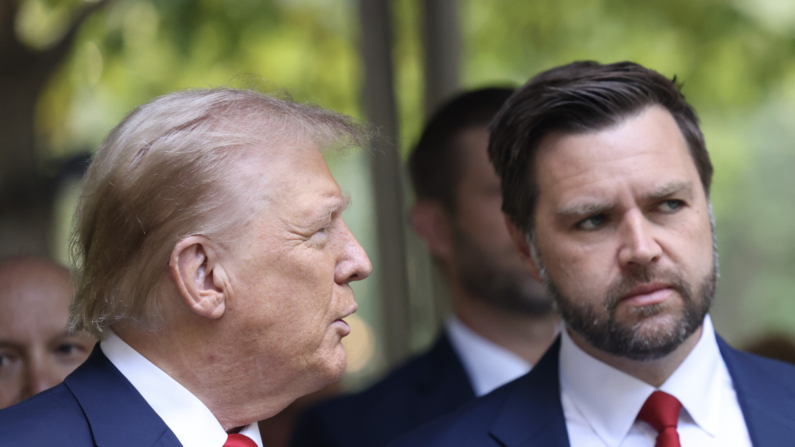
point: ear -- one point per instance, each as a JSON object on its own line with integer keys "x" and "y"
{"x": 198, "y": 276}
{"x": 523, "y": 247}
{"x": 431, "y": 223}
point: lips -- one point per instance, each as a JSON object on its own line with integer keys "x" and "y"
{"x": 647, "y": 294}
{"x": 345, "y": 327}
{"x": 343, "y": 324}
{"x": 353, "y": 308}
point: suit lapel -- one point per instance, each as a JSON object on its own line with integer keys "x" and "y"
{"x": 767, "y": 407}
{"x": 532, "y": 413}
{"x": 442, "y": 382}
{"x": 117, "y": 414}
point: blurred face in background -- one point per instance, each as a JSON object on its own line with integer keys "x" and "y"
{"x": 484, "y": 257}
{"x": 36, "y": 352}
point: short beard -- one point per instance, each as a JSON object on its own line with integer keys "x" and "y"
{"x": 614, "y": 337}
{"x": 485, "y": 280}
{"x": 604, "y": 331}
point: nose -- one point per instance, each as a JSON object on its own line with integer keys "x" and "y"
{"x": 638, "y": 244}
{"x": 354, "y": 265}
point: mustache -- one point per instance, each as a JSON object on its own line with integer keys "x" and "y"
{"x": 644, "y": 275}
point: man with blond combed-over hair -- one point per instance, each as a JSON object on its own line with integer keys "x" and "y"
{"x": 214, "y": 265}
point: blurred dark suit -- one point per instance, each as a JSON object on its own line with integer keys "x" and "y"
{"x": 425, "y": 388}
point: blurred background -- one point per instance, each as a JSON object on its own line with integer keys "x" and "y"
{"x": 72, "y": 69}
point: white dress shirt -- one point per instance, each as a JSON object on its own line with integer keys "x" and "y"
{"x": 487, "y": 364}
{"x": 601, "y": 403}
{"x": 191, "y": 421}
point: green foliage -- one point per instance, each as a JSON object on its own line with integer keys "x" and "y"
{"x": 137, "y": 49}
{"x": 736, "y": 61}
{"x": 735, "y": 57}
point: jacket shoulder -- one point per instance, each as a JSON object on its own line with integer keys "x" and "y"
{"x": 52, "y": 417}
{"x": 468, "y": 426}
{"x": 766, "y": 373}
{"x": 526, "y": 411}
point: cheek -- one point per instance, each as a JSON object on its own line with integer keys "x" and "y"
{"x": 304, "y": 308}
{"x": 701, "y": 250}
{"x": 11, "y": 383}
{"x": 690, "y": 245}
{"x": 579, "y": 270}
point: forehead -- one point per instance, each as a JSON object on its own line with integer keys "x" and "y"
{"x": 644, "y": 152}
{"x": 33, "y": 302}
{"x": 292, "y": 177}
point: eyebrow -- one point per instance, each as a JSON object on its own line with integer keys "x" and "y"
{"x": 10, "y": 345}
{"x": 593, "y": 208}
{"x": 336, "y": 205}
{"x": 341, "y": 204}
{"x": 668, "y": 190}
{"x": 582, "y": 209}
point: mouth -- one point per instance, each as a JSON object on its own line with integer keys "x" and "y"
{"x": 342, "y": 324}
{"x": 647, "y": 294}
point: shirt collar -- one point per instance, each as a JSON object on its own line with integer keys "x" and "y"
{"x": 609, "y": 400}
{"x": 698, "y": 381}
{"x": 488, "y": 365}
{"x": 188, "y": 418}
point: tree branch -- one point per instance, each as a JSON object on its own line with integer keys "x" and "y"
{"x": 54, "y": 55}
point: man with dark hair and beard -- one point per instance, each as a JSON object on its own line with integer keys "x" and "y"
{"x": 502, "y": 322}
{"x": 605, "y": 182}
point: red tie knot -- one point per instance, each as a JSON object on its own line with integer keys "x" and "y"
{"x": 238, "y": 440}
{"x": 661, "y": 411}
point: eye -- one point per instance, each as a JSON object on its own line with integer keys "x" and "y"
{"x": 592, "y": 223}
{"x": 670, "y": 206}
{"x": 6, "y": 360}
{"x": 322, "y": 231}
{"x": 320, "y": 236}
{"x": 67, "y": 349}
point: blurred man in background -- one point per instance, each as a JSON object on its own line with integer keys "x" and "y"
{"x": 215, "y": 268}
{"x": 36, "y": 350}
{"x": 502, "y": 321}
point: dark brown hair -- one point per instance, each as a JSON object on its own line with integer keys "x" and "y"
{"x": 435, "y": 162}
{"x": 577, "y": 98}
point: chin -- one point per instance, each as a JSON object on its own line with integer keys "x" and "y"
{"x": 340, "y": 363}
{"x": 331, "y": 368}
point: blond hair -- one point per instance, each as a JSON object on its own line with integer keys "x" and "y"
{"x": 164, "y": 173}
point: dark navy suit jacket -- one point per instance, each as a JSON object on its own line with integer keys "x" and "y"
{"x": 423, "y": 389}
{"x": 94, "y": 406}
{"x": 527, "y": 412}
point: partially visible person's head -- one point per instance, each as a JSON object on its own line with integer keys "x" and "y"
{"x": 605, "y": 179}
{"x": 458, "y": 205}
{"x": 211, "y": 216}
{"x": 36, "y": 350}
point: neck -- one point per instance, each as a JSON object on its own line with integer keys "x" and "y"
{"x": 527, "y": 336}
{"x": 654, "y": 372}
{"x": 209, "y": 374}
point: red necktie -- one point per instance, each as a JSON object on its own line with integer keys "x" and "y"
{"x": 661, "y": 411}
{"x": 238, "y": 440}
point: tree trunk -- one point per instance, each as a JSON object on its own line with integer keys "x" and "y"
{"x": 26, "y": 195}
